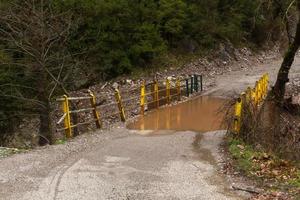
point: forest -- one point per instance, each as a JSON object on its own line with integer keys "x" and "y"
{"x": 47, "y": 46}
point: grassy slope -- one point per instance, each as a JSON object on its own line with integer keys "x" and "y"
{"x": 271, "y": 172}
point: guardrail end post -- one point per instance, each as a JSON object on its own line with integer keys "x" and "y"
{"x": 67, "y": 120}
{"x": 237, "y": 117}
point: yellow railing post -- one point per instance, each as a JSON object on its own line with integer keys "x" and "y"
{"x": 156, "y": 93}
{"x": 120, "y": 105}
{"x": 95, "y": 112}
{"x": 67, "y": 120}
{"x": 260, "y": 91}
{"x": 237, "y": 115}
{"x": 168, "y": 91}
{"x": 267, "y": 81}
{"x": 142, "y": 103}
{"x": 178, "y": 87}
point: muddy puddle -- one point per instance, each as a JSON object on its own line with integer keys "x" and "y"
{"x": 201, "y": 115}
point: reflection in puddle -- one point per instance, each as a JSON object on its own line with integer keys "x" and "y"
{"x": 200, "y": 114}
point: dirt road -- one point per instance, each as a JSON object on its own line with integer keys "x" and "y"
{"x": 235, "y": 82}
{"x": 120, "y": 164}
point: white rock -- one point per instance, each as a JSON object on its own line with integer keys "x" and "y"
{"x": 115, "y": 85}
{"x": 128, "y": 81}
{"x": 296, "y": 100}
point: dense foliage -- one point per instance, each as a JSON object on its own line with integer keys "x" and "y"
{"x": 119, "y": 35}
{"x": 108, "y": 38}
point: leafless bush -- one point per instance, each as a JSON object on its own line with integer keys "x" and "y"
{"x": 267, "y": 126}
{"x": 250, "y": 120}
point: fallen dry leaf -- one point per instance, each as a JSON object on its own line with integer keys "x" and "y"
{"x": 241, "y": 147}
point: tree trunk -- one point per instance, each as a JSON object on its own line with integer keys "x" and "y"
{"x": 283, "y": 74}
{"x": 46, "y": 128}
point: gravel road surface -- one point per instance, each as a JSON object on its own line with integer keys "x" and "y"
{"x": 177, "y": 165}
{"x": 121, "y": 164}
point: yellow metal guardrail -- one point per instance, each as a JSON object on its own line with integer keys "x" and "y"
{"x": 67, "y": 121}
{"x": 120, "y": 105}
{"x": 156, "y": 93}
{"x": 252, "y": 96}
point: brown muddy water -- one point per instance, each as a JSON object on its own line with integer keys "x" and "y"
{"x": 201, "y": 114}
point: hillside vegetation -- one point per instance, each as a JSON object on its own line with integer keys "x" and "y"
{"x": 47, "y": 45}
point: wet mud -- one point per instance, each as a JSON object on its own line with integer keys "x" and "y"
{"x": 201, "y": 114}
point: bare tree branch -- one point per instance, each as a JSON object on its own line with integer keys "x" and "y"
{"x": 36, "y": 38}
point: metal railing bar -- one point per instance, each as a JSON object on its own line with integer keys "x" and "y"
{"x": 149, "y": 93}
{"x": 73, "y": 99}
{"x": 81, "y": 110}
